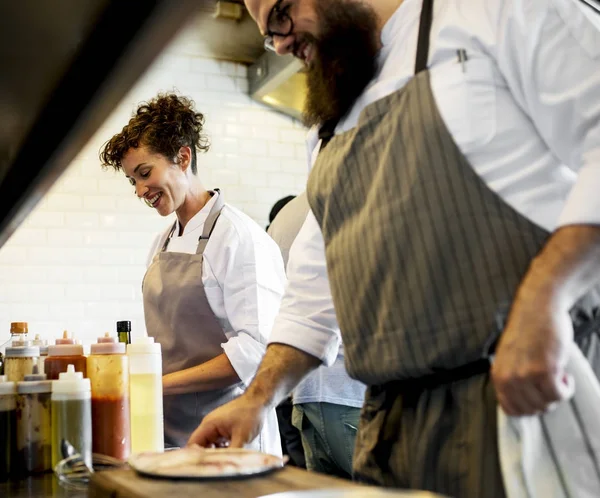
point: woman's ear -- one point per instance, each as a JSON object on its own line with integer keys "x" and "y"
{"x": 184, "y": 157}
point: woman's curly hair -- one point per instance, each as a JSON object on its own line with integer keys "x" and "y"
{"x": 164, "y": 125}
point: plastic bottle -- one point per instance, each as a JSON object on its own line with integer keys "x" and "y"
{"x": 43, "y": 345}
{"x": 72, "y": 415}
{"x": 124, "y": 331}
{"x": 8, "y": 427}
{"x": 65, "y": 352}
{"x": 34, "y": 423}
{"x": 19, "y": 361}
{"x": 146, "y": 401}
{"x": 108, "y": 371}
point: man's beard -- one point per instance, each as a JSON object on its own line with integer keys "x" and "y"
{"x": 344, "y": 59}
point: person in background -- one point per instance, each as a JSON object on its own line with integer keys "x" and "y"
{"x": 327, "y": 401}
{"x": 291, "y": 439}
{"x": 214, "y": 279}
{"x": 454, "y": 191}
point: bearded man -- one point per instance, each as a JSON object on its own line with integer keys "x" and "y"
{"x": 454, "y": 193}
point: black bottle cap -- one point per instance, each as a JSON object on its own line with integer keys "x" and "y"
{"x": 124, "y": 326}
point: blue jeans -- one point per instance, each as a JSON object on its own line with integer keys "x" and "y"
{"x": 328, "y": 435}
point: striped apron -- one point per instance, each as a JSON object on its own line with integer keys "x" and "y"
{"x": 423, "y": 261}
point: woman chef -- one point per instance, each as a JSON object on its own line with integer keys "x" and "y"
{"x": 215, "y": 278}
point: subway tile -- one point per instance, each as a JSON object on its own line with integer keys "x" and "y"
{"x": 64, "y": 202}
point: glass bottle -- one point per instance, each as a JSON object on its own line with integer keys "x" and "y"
{"x": 19, "y": 361}
{"x": 145, "y": 391}
{"x": 34, "y": 441}
{"x": 124, "y": 331}
{"x": 71, "y": 415}
{"x": 108, "y": 371}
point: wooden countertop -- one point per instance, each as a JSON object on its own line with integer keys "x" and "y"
{"x": 128, "y": 484}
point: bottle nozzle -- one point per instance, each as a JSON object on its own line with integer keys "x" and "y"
{"x": 70, "y": 368}
{"x": 65, "y": 334}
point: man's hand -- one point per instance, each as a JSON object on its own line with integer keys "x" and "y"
{"x": 529, "y": 368}
{"x": 237, "y": 423}
{"x": 528, "y": 371}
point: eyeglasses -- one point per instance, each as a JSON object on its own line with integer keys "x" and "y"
{"x": 279, "y": 23}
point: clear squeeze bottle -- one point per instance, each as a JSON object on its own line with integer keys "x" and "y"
{"x": 72, "y": 415}
{"x": 146, "y": 400}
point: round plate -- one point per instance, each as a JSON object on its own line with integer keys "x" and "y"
{"x": 194, "y": 462}
{"x": 367, "y": 492}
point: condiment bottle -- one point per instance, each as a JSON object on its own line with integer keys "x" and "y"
{"x": 43, "y": 345}
{"x": 34, "y": 423}
{"x": 65, "y": 352}
{"x": 145, "y": 391}
{"x": 124, "y": 331}
{"x": 19, "y": 361}
{"x": 18, "y": 335}
{"x": 18, "y": 332}
{"x": 7, "y": 426}
{"x": 108, "y": 371}
{"x": 71, "y": 415}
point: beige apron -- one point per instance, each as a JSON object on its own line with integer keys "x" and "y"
{"x": 423, "y": 261}
{"x": 179, "y": 317}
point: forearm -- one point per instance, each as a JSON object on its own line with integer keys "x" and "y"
{"x": 282, "y": 368}
{"x": 567, "y": 267}
{"x": 217, "y": 373}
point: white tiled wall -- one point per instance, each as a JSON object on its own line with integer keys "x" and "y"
{"x": 77, "y": 262}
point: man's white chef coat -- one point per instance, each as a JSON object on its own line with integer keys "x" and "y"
{"x": 524, "y": 109}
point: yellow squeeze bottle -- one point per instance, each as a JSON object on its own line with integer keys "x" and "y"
{"x": 145, "y": 395}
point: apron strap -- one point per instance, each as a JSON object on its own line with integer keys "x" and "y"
{"x": 211, "y": 221}
{"x": 166, "y": 242}
{"x": 327, "y": 129}
{"x": 209, "y": 224}
{"x": 424, "y": 36}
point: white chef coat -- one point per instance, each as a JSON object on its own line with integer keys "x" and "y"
{"x": 524, "y": 109}
{"x": 243, "y": 277}
{"x": 325, "y": 384}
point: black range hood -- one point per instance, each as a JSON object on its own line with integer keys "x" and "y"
{"x": 64, "y": 66}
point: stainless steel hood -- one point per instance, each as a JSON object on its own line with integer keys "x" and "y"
{"x": 278, "y": 82}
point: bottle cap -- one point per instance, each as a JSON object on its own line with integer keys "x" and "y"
{"x": 65, "y": 350}
{"x": 65, "y": 339}
{"x": 107, "y": 345}
{"x": 19, "y": 328}
{"x": 124, "y": 326}
{"x": 35, "y": 382}
{"x": 22, "y": 351}
{"x": 71, "y": 382}
{"x": 143, "y": 345}
{"x": 6, "y": 387}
